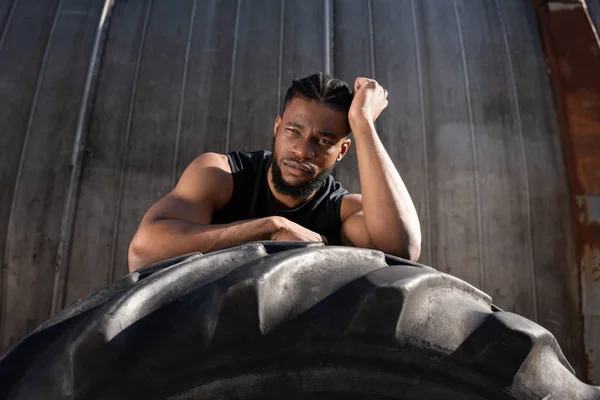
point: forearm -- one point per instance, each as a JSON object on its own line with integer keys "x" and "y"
{"x": 165, "y": 238}
{"x": 390, "y": 216}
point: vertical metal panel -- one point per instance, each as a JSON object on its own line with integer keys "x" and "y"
{"x": 454, "y": 228}
{"x": 552, "y": 238}
{"x": 352, "y": 58}
{"x": 205, "y": 103}
{"x": 303, "y": 40}
{"x": 256, "y": 77}
{"x": 371, "y": 38}
{"x": 507, "y": 268}
{"x": 96, "y": 218}
{"x": 154, "y": 119}
{"x": 473, "y": 145}
{"x": 280, "y": 55}
{"x": 79, "y": 141}
{"x": 518, "y": 126}
{"x": 397, "y": 59}
{"x": 424, "y": 205}
{"x": 184, "y": 78}
{"x": 43, "y": 179}
{"x": 23, "y": 52}
{"x": 328, "y": 29}
{"x": 236, "y": 34}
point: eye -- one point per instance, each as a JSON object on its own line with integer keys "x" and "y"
{"x": 294, "y": 131}
{"x": 325, "y": 142}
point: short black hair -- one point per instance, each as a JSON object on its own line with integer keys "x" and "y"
{"x": 323, "y": 88}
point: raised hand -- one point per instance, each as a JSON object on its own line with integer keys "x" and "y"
{"x": 370, "y": 99}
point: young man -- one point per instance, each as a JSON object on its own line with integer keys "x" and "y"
{"x": 225, "y": 199}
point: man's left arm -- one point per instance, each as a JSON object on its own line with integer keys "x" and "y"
{"x": 383, "y": 217}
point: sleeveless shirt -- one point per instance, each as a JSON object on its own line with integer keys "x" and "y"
{"x": 252, "y": 198}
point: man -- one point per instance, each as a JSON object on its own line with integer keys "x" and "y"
{"x": 289, "y": 195}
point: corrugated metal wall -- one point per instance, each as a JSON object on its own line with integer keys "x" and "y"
{"x": 471, "y": 128}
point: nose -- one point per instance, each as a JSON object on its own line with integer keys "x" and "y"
{"x": 303, "y": 149}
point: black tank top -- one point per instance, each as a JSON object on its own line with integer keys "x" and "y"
{"x": 252, "y": 198}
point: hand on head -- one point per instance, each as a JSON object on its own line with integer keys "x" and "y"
{"x": 370, "y": 99}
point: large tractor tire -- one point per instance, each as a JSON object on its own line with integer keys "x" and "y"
{"x": 289, "y": 321}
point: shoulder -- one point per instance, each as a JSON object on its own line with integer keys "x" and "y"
{"x": 211, "y": 160}
{"x": 208, "y": 176}
{"x": 214, "y": 176}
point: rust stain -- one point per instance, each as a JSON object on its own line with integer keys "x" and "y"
{"x": 573, "y": 52}
{"x": 588, "y": 259}
{"x": 588, "y": 232}
{"x": 591, "y": 257}
{"x": 588, "y": 173}
{"x": 565, "y": 68}
{"x": 588, "y": 218}
{"x": 583, "y": 106}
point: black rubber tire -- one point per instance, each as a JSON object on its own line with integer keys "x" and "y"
{"x": 272, "y": 320}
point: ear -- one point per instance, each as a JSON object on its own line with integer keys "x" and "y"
{"x": 277, "y": 124}
{"x": 343, "y": 149}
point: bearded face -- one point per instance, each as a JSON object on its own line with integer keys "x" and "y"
{"x": 308, "y": 140}
{"x": 300, "y": 189}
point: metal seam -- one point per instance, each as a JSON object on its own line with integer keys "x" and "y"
{"x": 531, "y": 258}
{"x": 280, "y": 61}
{"x": 7, "y": 23}
{"x": 123, "y": 167}
{"x": 181, "y": 95}
{"x": 232, "y": 77}
{"x": 423, "y": 131}
{"x": 371, "y": 39}
{"x": 67, "y": 221}
{"x": 10, "y": 226}
{"x": 473, "y": 148}
{"x": 328, "y": 34}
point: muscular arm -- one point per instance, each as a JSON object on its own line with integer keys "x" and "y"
{"x": 384, "y": 216}
{"x": 179, "y": 223}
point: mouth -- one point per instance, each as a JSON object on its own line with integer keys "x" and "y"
{"x": 296, "y": 168}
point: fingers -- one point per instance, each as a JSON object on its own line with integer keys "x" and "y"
{"x": 357, "y": 84}
{"x": 324, "y": 240}
{"x": 362, "y": 81}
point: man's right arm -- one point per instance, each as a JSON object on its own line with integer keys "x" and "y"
{"x": 179, "y": 223}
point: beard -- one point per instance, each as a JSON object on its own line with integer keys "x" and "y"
{"x": 301, "y": 191}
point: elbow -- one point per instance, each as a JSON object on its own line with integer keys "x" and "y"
{"x": 134, "y": 258}
{"x": 409, "y": 249}
{"x": 413, "y": 251}
{"x": 412, "y": 247}
{"x": 137, "y": 255}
